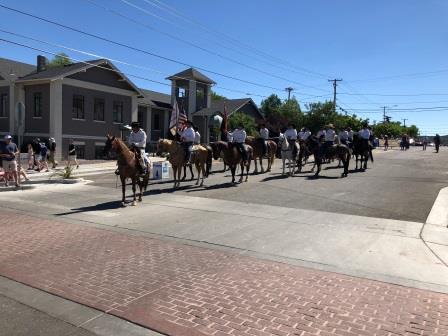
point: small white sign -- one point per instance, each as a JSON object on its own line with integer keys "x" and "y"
{"x": 160, "y": 170}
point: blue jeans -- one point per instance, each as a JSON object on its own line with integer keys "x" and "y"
{"x": 242, "y": 150}
{"x": 188, "y": 148}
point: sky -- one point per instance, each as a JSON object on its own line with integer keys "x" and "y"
{"x": 389, "y": 53}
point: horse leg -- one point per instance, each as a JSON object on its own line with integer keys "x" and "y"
{"x": 261, "y": 164}
{"x": 242, "y": 172}
{"x": 256, "y": 167}
{"x": 293, "y": 167}
{"x": 175, "y": 175}
{"x": 247, "y": 170}
{"x": 123, "y": 190}
{"x": 185, "y": 173}
{"x": 192, "y": 174}
{"x": 232, "y": 170}
{"x": 299, "y": 162}
{"x": 134, "y": 191}
{"x": 203, "y": 173}
{"x": 284, "y": 163}
{"x": 198, "y": 168}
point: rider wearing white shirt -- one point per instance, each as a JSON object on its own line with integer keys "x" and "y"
{"x": 239, "y": 138}
{"x": 291, "y": 136}
{"x": 137, "y": 139}
{"x": 343, "y": 137}
{"x": 304, "y": 134}
{"x": 364, "y": 134}
{"x": 197, "y": 136}
{"x": 187, "y": 137}
{"x": 321, "y": 134}
{"x": 264, "y": 136}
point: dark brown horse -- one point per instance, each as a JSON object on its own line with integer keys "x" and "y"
{"x": 257, "y": 146}
{"x": 128, "y": 168}
{"x": 363, "y": 150}
{"x": 340, "y": 152}
{"x": 232, "y": 157}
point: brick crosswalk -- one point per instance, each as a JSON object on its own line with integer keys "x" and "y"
{"x": 184, "y": 290}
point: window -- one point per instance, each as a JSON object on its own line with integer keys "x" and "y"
{"x": 3, "y": 105}
{"x": 37, "y": 113}
{"x": 99, "y": 152}
{"x": 117, "y": 112}
{"x": 81, "y": 151}
{"x": 78, "y": 107}
{"x": 156, "y": 121}
{"x": 181, "y": 92}
{"x": 98, "y": 109}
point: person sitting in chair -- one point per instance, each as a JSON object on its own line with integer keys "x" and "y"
{"x": 187, "y": 136}
{"x": 239, "y": 138}
{"x": 264, "y": 136}
{"x": 137, "y": 140}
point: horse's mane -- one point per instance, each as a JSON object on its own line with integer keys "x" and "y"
{"x": 124, "y": 150}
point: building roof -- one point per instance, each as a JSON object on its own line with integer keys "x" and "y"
{"x": 68, "y": 70}
{"x": 154, "y": 98}
{"x": 14, "y": 69}
{"x": 192, "y": 74}
{"x": 232, "y": 105}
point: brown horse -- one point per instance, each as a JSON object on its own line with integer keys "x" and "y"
{"x": 257, "y": 145}
{"x": 128, "y": 167}
{"x": 232, "y": 157}
{"x": 177, "y": 159}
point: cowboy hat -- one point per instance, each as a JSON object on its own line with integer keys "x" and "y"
{"x": 330, "y": 126}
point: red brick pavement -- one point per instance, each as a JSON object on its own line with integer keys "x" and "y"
{"x": 184, "y": 290}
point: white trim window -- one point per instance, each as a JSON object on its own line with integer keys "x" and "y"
{"x": 117, "y": 112}
{"x": 3, "y": 105}
{"x": 37, "y": 104}
{"x": 98, "y": 109}
{"x": 78, "y": 107}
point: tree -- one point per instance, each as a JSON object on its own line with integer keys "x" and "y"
{"x": 216, "y": 96}
{"x": 240, "y": 118}
{"x": 271, "y": 104}
{"x": 60, "y": 60}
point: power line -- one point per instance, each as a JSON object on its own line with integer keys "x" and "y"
{"x": 141, "y": 50}
{"x": 394, "y": 95}
{"x": 177, "y": 13}
{"x": 195, "y": 45}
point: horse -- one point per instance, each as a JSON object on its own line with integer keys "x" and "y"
{"x": 208, "y": 166}
{"x": 128, "y": 167}
{"x": 363, "y": 150}
{"x": 341, "y": 152}
{"x": 304, "y": 154}
{"x": 287, "y": 154}
{"x": 177, "y": 159}
{"x": 258, "y": 147}
{"x": 232, "y": 157}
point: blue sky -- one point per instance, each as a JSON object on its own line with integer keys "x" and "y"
{"x": 386, "y": 52}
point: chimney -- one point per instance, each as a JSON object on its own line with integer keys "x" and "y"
{"x": 42, "y": 63}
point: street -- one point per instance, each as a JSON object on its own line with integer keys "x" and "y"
{"x": 274, "y": 256}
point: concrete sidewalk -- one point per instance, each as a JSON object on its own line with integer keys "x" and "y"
{"x": 183, "y": 290}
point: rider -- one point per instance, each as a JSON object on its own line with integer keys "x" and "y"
{"x": 264, "y": 136}
{"x": 239, "y": 138}
{"x": 321, "y": 133}
{"x": 364, "y": 134}
{"x": 187, "y": 137}
{"x": 304, "y": 134}
{"x": 343, "y": 137}
{"x": 137, "y": 140}
{"x": 330, "y": 134}
{"x": 291, "y": 136}
{"x": 197, "y": 136}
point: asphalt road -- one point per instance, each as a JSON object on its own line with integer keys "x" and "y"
{"x": 398, "y": 185}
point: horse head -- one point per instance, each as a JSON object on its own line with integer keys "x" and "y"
{"x": 109, "y": 144}
{"x": 216, "y": 150}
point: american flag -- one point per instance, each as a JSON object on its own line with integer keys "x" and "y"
{"x": 178, "y": 119}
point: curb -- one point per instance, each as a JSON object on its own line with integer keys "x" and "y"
{"x": 435, "y": 230}
{"x": 80, "y": 316}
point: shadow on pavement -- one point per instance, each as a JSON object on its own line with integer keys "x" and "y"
{"x": 98, "y": 207}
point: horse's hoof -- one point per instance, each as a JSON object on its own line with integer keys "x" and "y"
{"x": 123, "y": 204}
{"x": 134, "y": 203}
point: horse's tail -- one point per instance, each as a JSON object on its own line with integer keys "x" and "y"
{"x": 208, "y": 166}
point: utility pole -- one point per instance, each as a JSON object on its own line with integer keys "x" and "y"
{"x": 289, "y": 89}
{"x": 384, "y": 114}
{"x": 404, "y": 122}
{"x": 335, "y": 84}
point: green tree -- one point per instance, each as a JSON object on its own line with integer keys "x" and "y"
{"x": 412, "y": 131}
{"x": 271, "y": 105}
{"x": 60, "y": 60}
{"x": 216, "y": 96}
{"x": 241, "y": 118}
{"x": 391, "y": 129}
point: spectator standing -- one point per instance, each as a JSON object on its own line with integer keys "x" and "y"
{"x": 52, "y": 148}
{"x": 72, "y": 154}
{"x": 43, "y": 157}
{"x": 30, "y": 157}
{"x": 437, "y": 142}
{"x": 10, "y": 152}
